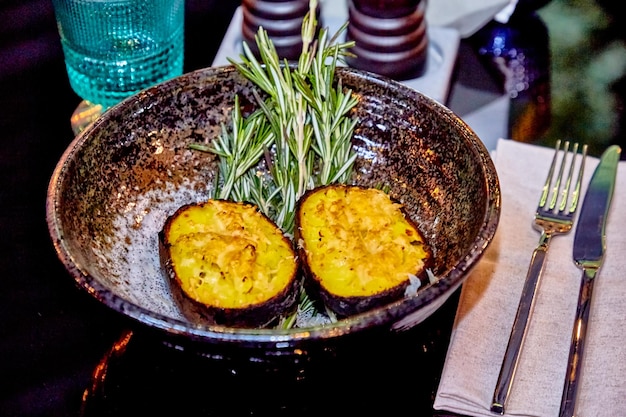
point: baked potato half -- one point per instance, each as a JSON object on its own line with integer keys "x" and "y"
{"x": 358, "y": 248}
{"x": 229, "y": 263}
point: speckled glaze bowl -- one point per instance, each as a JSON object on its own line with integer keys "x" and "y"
{"x": 118, "y": 181}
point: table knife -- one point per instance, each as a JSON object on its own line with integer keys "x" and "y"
{"x": 588, "y": 254}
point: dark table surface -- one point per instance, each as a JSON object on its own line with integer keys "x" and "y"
{"x": 63, "y": 354}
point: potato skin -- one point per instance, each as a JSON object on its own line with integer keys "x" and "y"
{"x": 223, "y": 240}
{"x": 340, "y": 234}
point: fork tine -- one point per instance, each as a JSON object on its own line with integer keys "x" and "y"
{"x": 565, "y": 192}
{"x": 568, "y": 182}
{"x": 546, "y": 187}
{"x": 557, "y": 184}
{"x": 576, "y": 193}
{"x": 555, "y": 191}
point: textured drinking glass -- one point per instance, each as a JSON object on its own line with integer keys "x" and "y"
{"x": 115, "y": 48}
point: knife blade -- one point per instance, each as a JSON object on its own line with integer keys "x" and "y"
{"x": 588, "y": 255}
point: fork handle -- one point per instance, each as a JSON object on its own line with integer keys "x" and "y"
{"x": 520, "y": 326}
{"x": 577, "y": 347}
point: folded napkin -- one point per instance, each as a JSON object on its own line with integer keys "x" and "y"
{"x": 490, "y": 296}
{"x": 468, "y": 16}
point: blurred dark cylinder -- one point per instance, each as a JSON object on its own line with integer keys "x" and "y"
{"x": 519, "y": 53}
{"x": 390, "y": 36}
{"x": 281, "y": 19}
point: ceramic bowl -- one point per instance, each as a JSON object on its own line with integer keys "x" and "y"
{"x": 118, "y": 181}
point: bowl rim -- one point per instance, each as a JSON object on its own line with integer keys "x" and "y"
{"x": 278, "y": 338}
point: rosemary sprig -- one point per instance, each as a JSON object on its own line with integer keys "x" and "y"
{"x": 239, "y": 150}
{"x": 301, "y": 133}
{"x": 287, "y": 114}
{"x": 305, "y": 306}
{"x": 309, "y": 113}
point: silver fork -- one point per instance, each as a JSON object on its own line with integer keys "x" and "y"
{"x": 550, "y": 220}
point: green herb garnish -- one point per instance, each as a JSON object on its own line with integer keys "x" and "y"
{"x": 301, "y": 134}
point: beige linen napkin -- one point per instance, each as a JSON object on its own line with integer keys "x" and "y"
{"x": 490, "y": 296}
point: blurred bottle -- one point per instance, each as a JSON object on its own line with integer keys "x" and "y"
{"x": 281, "y": 19}
{"x": 519, "y": 53}
{"x": 390, "y": 37}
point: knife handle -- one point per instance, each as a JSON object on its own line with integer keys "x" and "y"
{"x": 577, "y": 346}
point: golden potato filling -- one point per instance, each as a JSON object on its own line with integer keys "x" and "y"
{"x": 229, "y": 255}
{"x": 358, "y": 241}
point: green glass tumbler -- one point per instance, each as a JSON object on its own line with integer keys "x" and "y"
{"x": 116, "y": 48}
